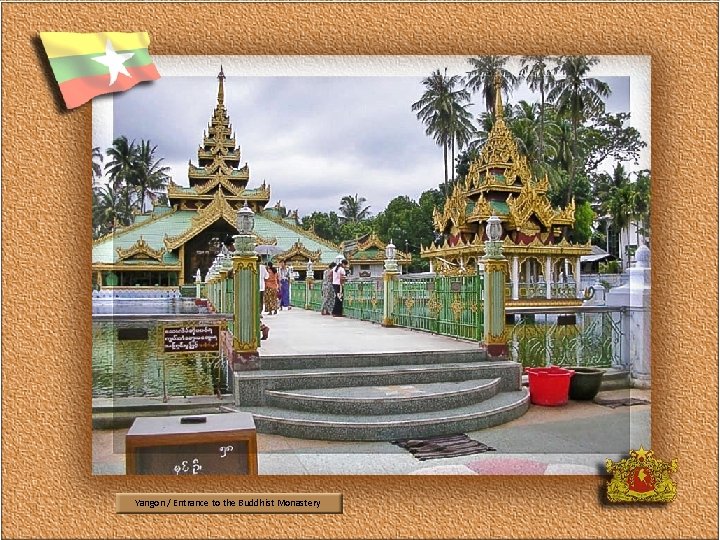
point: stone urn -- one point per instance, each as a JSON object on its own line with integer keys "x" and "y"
{"x": 585, "y": 384}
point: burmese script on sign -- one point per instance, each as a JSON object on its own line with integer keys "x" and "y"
{"x": 191, "y": 338}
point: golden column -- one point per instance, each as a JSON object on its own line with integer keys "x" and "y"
{"x": 494, "y": 306}
{"x": 246, "y": 288}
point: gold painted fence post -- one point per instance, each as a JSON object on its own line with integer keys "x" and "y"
{"x": 494, "y": 304}
{"x": 390, "y": 279}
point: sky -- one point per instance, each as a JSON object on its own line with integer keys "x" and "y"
{"x": 316, "y": 130}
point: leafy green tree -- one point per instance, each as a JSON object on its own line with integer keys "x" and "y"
{"x": 609, "y": 137}
{"x": 584, "y": 217}
{"x": 354, "y": 229}
{"x": 482, "y": 78}
{"x": 325, "y": 225}
{"x": 578, "y": 96}
{"x": 353, "y": 209}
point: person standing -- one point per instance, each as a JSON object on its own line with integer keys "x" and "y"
{"x": 284, "y": 275}
{"x": 271, "y": 290}
{"x": 263, "y": 276}
{"x": 339, "y": 278}
{"x": 327, "y": 291}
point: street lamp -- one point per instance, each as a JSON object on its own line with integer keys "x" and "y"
{"x": 390, "y": 251}
{"x": 245, "y": 223}
{"x": 494, "y": 228}
{"x": 245, "y": 220}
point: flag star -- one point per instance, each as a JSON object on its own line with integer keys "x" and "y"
{"x": 114, "y": 61}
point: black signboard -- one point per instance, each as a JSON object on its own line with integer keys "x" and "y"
{"x": 191, "y": 338}
{"x": 211, "y": 444}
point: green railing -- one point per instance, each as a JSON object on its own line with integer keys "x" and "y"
{"x": 297, "y": 293}
{"x": 363, "y": 299}
{"x": 451, "y": 306}
{"x": 577, "y": 337}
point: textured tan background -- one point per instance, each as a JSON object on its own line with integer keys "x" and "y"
{"x": 48, "y": 489}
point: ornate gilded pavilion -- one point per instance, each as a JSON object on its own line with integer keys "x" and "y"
{"x": 366, "y": 256}
{"x": 167, "y": 246}
{"x": 544, "y": 264}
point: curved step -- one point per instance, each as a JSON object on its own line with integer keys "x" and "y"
{"x": 250, "y": 386}
{"x": 499, "y": 409}
{"x": 474, "y": 354}
{"x": 387, "y": 399}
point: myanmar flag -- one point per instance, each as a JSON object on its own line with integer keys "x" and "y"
{"x": 89, "y": 65}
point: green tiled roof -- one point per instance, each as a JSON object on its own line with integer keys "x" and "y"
{"x": 176, "y": 223}
{"x": 152, "y": 231}
{"x": 500, "y": 207}
{"x": 286, "y": 237}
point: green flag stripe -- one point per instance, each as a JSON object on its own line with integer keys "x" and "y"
{"x": 71, "y": 67}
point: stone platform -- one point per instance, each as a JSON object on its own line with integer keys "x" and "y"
{"x": 330, "y": 378}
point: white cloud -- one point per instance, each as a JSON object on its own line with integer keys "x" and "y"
{"x": 315, "y": 138}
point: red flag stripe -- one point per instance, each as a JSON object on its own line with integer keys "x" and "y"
{"x": 83, "y": 89}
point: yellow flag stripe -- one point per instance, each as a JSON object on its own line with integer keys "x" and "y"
{"x": 59, "y": 44}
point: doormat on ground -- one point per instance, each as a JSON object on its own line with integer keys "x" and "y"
{"x": 443, "y": 447}
{"x": 620, "y": 402}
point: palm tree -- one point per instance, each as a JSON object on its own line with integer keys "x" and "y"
{"x": 536, "y": 71}
{"x": 482, "y": 77}
{"x": 578, "y": 97}
{"x": 351, "y": 209}
{"x": 442, "y": 108}
{"x": 121, "y": 170}
{"x": 150, "y": 176}
{"x": 462, "y": 131}
{"x": 107, "y": 210}
{"x": 97, "y": 159}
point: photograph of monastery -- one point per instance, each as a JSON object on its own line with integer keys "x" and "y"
{"x": 372, "y": 265}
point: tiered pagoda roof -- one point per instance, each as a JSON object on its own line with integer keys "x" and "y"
{"x": 218, "y": 188}
{"x": 218, "y": 167}
{"x": 499, "y": 182}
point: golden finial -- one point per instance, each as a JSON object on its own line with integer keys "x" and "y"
{"x": 221, "y": 90}
{"x": 499, "y": 113}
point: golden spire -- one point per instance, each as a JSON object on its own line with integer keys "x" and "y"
{"x": 499, "y": 112}
{"x": 221, "y": 90}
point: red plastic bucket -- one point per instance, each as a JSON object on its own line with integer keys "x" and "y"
{"x": 549, "y": 386}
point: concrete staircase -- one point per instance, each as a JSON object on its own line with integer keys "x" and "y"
{"x": 378, "y": 397}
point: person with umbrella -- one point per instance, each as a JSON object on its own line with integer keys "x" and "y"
{"x": 284, "y": 275}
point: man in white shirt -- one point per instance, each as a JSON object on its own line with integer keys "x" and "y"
{"x": 339, "y": 277}
{"x": 263, "y": 276}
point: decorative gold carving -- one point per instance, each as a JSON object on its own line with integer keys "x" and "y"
{"x": 474, "y": 306}
{"x": 527, "y": 203}
{"x": 219, "y": 208}
{"x": 141, "y": 249}
{"x": 373, "y": 301}
{"x": 482, "y": 210}
{"x": 299, "y": 250}
{"x": 456, "y": 307}
{"x": 454, "y": 211}
{"x": 434, "y": 305}
{"x": 372, "y": 241}
{"x": 409, "y": 303}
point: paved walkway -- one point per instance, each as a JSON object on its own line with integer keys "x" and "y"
{"x": 300, "y": 331}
